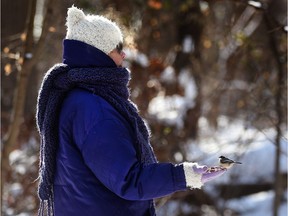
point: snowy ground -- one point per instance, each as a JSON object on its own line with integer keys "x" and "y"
{"x": 260, "y": 204}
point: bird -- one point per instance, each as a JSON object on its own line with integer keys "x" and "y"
{"x": 226, "y": 162}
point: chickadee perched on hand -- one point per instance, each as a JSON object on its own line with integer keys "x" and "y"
{"x": 226, "y": 162}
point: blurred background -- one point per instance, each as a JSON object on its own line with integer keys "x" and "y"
{"x": 209, "y": 77}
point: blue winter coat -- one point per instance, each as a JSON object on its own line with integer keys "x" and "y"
{"x": 97, "y": 170}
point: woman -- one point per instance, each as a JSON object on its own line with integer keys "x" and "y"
{"x": 95, "y": 155}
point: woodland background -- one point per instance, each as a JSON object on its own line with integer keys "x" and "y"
{"x": 195, "y": 64}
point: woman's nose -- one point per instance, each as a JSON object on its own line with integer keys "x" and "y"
{"x": 122, "y": 54}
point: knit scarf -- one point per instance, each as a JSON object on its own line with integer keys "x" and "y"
{"x": 108, "y": 83}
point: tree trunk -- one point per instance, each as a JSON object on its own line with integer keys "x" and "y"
{"x": 278, "y": 97}
{"x": 11, "y": 139}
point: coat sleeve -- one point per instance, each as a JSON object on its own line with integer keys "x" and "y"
{"x": 108, "y": 151}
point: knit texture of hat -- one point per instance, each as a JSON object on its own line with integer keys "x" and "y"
{"x": 94, "y": 30}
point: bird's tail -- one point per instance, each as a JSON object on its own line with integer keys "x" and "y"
{"x": 238, "y": 162}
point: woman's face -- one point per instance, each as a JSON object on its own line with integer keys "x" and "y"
{"x": 117, "y": 55}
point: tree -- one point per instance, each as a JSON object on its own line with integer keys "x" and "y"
{"x": 32, "y": 51}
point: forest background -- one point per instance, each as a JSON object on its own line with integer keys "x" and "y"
{"x": 209, "y": 76}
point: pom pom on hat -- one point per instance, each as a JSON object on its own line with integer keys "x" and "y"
{"x": 94, "y": 30}
{"x": 74, "y": 15}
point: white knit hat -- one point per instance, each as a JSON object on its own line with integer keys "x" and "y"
{"x": 94, "y": 30}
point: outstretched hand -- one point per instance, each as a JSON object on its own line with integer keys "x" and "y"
{"x": 209, "y": 173}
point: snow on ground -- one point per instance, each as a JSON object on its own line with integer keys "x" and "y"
{"x": 259, "y": 204}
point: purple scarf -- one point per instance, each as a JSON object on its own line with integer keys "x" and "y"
{"x": 108, "y": 83}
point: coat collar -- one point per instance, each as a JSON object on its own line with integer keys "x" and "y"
{"x": 80, "y": 54}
